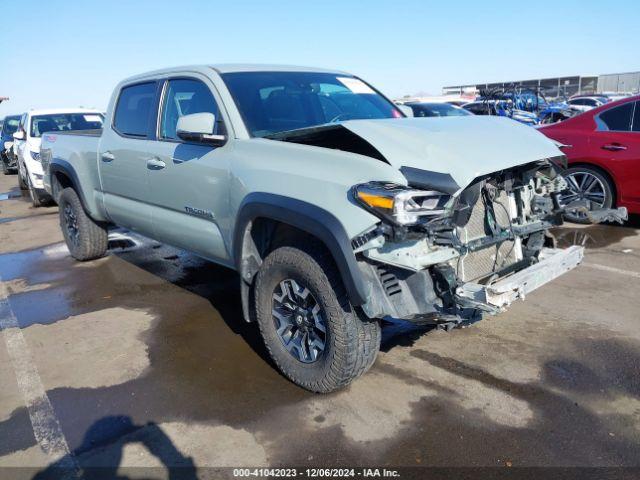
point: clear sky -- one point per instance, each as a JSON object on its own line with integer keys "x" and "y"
{"x": 71, "y": 53}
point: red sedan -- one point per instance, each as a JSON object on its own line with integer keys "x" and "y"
{"x": 603, "y": 149}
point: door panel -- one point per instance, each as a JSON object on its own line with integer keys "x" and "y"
{"x": 125, "y": 183}
{"x": 189, "y": 198}
{"x": 189, "y": 182}
{"x": 620, "y": 152}
{"x": 123, "y": 157}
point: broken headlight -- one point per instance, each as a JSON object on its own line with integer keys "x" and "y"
{"x": 400, "y": 205}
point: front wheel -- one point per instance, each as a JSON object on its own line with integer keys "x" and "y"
{"x": 36, "y": 200}
{"x": 85, "y": 238}
{"x": 309, "y": 328}
{"x": 587, "y": 184}
{"x": 21, "y": 183}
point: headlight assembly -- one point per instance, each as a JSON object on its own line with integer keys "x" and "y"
{"x": 35, "y": 155}
{"x": 401, "y": 205}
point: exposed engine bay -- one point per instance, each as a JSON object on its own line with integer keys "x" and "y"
{"x": 481, "y": 249}
{"x": 450, "y": 246}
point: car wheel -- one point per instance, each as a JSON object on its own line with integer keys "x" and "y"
{"x": 588, "y": 184}
{"x": 21, "y": 183}
{"x": 85, "y": 238}
{"x": 33, "y": 193}
{"x": 311, "y": 331}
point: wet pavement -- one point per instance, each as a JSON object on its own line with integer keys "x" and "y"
{"x": 146, "y": 361}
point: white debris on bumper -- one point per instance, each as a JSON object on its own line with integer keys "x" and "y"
{"x": 552, "y": 264}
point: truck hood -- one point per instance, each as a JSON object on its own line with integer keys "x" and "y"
{"x": 462, "y": 147}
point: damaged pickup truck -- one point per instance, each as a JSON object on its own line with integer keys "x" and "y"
{"x": 336, "y": 210}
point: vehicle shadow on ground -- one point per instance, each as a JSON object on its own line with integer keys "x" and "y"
{"x": 196, "y": 275}
{"x": 106, "y": 439}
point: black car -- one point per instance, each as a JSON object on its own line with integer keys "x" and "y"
{"x": 9, "y": 126}
{"x": 437, "y": 110}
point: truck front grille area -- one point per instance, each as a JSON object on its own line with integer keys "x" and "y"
{"x": 481, "y": 263}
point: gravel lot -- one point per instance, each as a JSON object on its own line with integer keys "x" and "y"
{"x": 142, "y": 358}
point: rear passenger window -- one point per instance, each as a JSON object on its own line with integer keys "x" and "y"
{"x": 133, "y": 108}
{"x": 617, "y": 119}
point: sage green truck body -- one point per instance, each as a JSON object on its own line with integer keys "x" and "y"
{"x": 211, "y": 199}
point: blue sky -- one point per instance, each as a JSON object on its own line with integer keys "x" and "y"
{"x": 71, "y": 53}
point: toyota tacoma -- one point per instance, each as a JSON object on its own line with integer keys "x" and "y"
{"x": 336, "y": 209}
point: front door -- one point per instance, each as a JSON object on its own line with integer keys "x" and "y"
{"x": 616, "y": 142}
{"x": 189, "y": 184}
{"x": 123, "y": 157}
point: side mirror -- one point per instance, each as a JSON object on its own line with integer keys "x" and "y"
{"x": 199, "y": 127}
{"x": 408, "y": 111}
{"x": 19, "y": 135}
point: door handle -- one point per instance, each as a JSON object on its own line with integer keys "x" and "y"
{"x": 614, "y": 147}
{"x": 155, "y": 164}
{"x": 108, "y": 157}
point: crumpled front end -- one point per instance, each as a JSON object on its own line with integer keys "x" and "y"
{"x": 486, "y": 247}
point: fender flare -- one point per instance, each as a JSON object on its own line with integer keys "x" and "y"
{"x": 66, "y": 169}
{"x": 311, "y": 219}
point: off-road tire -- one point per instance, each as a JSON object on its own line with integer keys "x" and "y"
{"x": 351, "y": 343}
{"x": 92, "y": 237}
{"x": 608, "y": 190}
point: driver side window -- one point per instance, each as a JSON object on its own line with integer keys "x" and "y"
{"x": 184, "y": 97}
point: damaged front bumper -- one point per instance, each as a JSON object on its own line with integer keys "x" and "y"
{"x": 496, "y": 296}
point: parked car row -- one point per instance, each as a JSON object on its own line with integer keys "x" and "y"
{"x": 600, "y": 137}
{"x": 21, "y": 138}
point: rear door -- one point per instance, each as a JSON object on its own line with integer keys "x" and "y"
{"x": 189, "y": 186}
{"x": 123, "y": 156}
{"x": 616, "y": 143}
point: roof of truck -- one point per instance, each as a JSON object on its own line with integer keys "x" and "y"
{"x": 256, "y": 67}
{"x": 231, "y": 68}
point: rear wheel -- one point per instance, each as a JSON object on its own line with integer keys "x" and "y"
{"x": 5, "y": 164}
{"x": 586, "y": 183}
{"x": 311, "y": 331}
{"x": 85, "y": 238}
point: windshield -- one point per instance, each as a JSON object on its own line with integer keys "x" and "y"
{"x": 10, "y": 125}
{"x": 272, "y": 102}
{"x": 437, "y": 110}
{"x": 62, "y": 122}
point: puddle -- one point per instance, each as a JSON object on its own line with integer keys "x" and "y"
{"x": 208, "y": 367}
{"x": 592, "y": 237}
{"x": 9, "y": 195}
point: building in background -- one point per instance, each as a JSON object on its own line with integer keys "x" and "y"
{"x": 562, "y": 86}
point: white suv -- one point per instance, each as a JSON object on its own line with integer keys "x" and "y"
{"x": 27, "y": 138}
{"x": 584, "y": 104}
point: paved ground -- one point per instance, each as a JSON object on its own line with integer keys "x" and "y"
{"x": 141, "y": 358}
